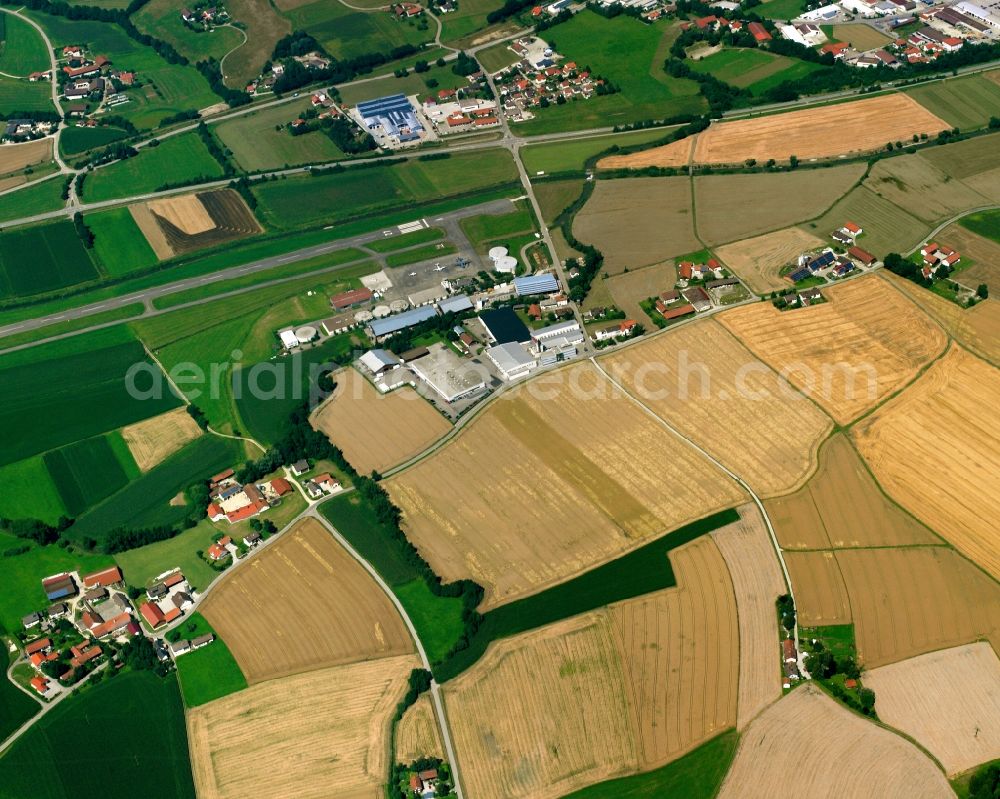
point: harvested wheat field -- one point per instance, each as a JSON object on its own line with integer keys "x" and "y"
{"x": 917, "y": 599}
{"x": 820, "y": 594}
{"x": 153, "y": 440}
{"x": 15, "y": 157}
{"x": 603, "y": 694}
{"x": 983, "y": 252}
{"x": 821, "y": 132}
{"x": 842, "y": 506}
{"x": 808, "y": 745}
{"x": 188, "y": 222}
{"x": 757, "y": 582}
{"x": 706, "y": 384}
{"x": 914, "y": 183}
{"x": 317, "y": 735}
{"x": 759, "y": 260}
{"x": 977, "y": 328}
{"x": 664, "y": 229}
{"x": 375, "y": 430}
{"x": 569, "y": 455}
{"x": 630, "y": 288}
{"x": 849, "y": 353}
{"x": 303, "y": 603}
{"x": 418, "y": 734}
{"x": 948, "y": 701}
{"x": 936, "y": 450}
{"x": 732, "y": 207}
{"x": 676, "y": 153}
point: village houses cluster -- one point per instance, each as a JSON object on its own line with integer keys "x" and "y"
{"x": 204, "y": 16}
{"x": 92, "y": 79}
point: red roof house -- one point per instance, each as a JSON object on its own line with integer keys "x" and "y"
{"x": 38, "y": 646}
{"x": 152, "y": 614}
{"x": 759, "y": 32}
{"x": 40, "y": 684}
{"x": 280, "y": 486}
{"x": 105, "y": 578}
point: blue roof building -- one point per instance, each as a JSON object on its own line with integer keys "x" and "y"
{"x": 395, "y": 114}
{"x": 536, "y": 284}
{"x": 393, "y": 324}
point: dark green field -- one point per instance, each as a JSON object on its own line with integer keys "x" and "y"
{"x": 76, "y": 140}
{"x": 85, "y": 473}
{"x": 210, "y": 672}
{"x": 42, "y": 258}
{"x": 983, "y": 223}
{"x": 16, "y": 707}
{"x": 145, "y": 502}
{"x": 50, "y": 403}
{"x": 123, "y": 737}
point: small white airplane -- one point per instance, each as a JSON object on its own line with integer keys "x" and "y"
{"x": 413, "y": 274}
{"x": 439, "y": 268}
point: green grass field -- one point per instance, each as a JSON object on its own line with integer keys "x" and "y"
{"x": 306, "y": 201}
{"x": 497, "y": 57}
{"x": 257, "y": 145}
{"x": 141, "y": 565}
{"x": 42, "y": 258}
{"x": 75, "y": 140}
{"x": 210, "y": 672}
{"x": 50, "y": 403}
{"x": 413, "y": 83}
{"x": 162, "y": 19}
{"x": 22, "y": 95}
{"x": 555, "y": 196}
{"x": 425, "y": 253}
{"x": 752, "y": 69}
{"x": 983, "y": 223}
{"x": 22, "y": 50}
{"x": 120, "y": 246}
{"x": 480, "y": 230}
{"x": 469, "y": 18}
{"x": 860, "y": 36}
{"x": 16, "y": 707}
{"x": 571, "y": 156}
{"x": 87, "y": 472}
{"x": 966, "y": 103}
{"x": 697, "y": 775}
{"x": 442, "y": 624}
{"x": 31, "y": 199}
{"x": 72, "y": 325}
{"x": 346, "y": 33}
{"x": 29, "y": 492}
{"x": 781, "y": 9}
{"x": 137, "y": 713}
{"x": 177, "y": 160}
{"x": 630, "y": 54}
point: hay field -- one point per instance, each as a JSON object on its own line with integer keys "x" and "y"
{"x": 733, "y": 207}
{"x": 569, "y": 455}
{"x": 375, "y": 430}
{"x": 820, "y": 132}
{"x": 842, "y": 506}
{"x": 949, "y": 701}
{"x": 888, "y": 228}
{"x": 757, "y": 582}
{"x": 808, "y": 745}
{"x": 188, "y": 222}
{"x": 312, "y": 735}
{"x": 603, "y": 694}
{"x": 820, "y": 594}
{"x": 936, "y": 449}
{"x": 914, "y": 183}
{"x": 185, "y": 213}
{"x": 850, "y": 353}
{"x": 664, "y": 228}
{"x": 758, "y": 260}
{"x": 630, "y": 288}
{"x": 418, "y": 734}
{"x": 983, "y": 251}
{"x": 676, "y": 153}
{"x": 153, "y": 440}
{"x": 916, "y": 599}
{"x": 15, "y": 157}
{"x": 303, "y": 603}
{"x": 706, "y": 384}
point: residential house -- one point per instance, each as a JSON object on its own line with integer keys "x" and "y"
{"x": 152, "y": 614}
{"x": 31, "y": 620}
{"x": 863, "y": 256}
{"x": 38, "y": 645}
{"x": 615, "y": 331}
{"x": 219, "y": 550}
{"x": 202, "y": 640}
{"x": 252, "y": 540}
{"x": 299, "y": 468}
{"x": 107, "y": 578}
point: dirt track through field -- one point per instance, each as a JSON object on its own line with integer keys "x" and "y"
{"x": 154, "y": 440}
{"x": 303, "y": 604}
{"x": 949, "y": 701}
{"x": 808, "y": 745}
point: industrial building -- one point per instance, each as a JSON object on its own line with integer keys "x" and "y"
{"x": 512, "y": 360}
{"x": 380, "y": 329}
{"x": 378, "y": 361}
{"x": 557, "y": 337}
{"x": 544, "y": 283}
{"x": 456, "y": 304}
{"x": 449, "y": 376}
{"x": 394, "y": 116}
{"x": 503, "y": 326}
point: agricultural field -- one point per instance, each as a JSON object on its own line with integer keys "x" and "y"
{"x": 469, "y": 19}
{"x": 526, "y": 466}
{"x": 264, "y": 26}
{"x": 118, "y": 243}
{"x": 820, "y": 594}
{"x": 674, "y": 154}
{"x": 179, "y": 159}
{"x": 15, "y": 157}
{"x": 374, "y": 430}
{"x": 860, "y": 36}
{"x": 350, "y": 619}
{"x": 88, "y": 471}
{"x": 948, "y": 701}
{"x": 38, "y": 197}
{"x": 29, "y": 492}
{"x": 140, "y": 712}
{"x": 311, "y": 735}
{"x": 977, "y": 237}
{"x": 418, "y": 734}
{"x": 571, "y": 156}
{"x": 17, "y": 94}
{"x": 757, "y": 583}
{"x": 752, "y": 69}
{"x": 630, "y": 54}
{"x": 888, "y": 228}
{"x": 976, "y": 162}
{"x": 42, "y": 258}
{"x": 162, "y": 19}
{"x": 630, "y": 288}
{"x": 807, "y": 744}
{"x": 966, "y": 103}
{"x": 749, "y": 422}
{"x": 847, "y": 354}
{"x": 257, "y": 145}
{"x": 759, "y": 260}
{"x": 22, "y": 50}
{"x": 914, "y": 600}
{"x": 609, "y": 222}
{"x": 842, "y": 506}
{"x": 16, "y": 707}
{"x": 75, "y": 139}
{"x": 347, "y": 33}
{"x": 153, "y": 440}
{"x": 944, "y": 424}
{"x": 208, "y": 673}
{"x": 614, "y": 657}
{"x": 182, "y": 224}
{"x": 778, "y": 199}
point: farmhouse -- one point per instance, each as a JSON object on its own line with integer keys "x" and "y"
{"x": 220, "y": 549}
{"x": 759, "y": 32}
{"x": 38, "y": 645}
{"x": 108, "y": 578}
{"x": 862, "y": 256}
{"x": 233, "y": 501}
{"x": 451, "y": 378}
{"x": 59, "y": 586}
{"x": 615, "y": 331}
{"x": 252, "y": 540}
{"x": 512, "y": 360}
{"x": 180, "y": 647}
{"x": 202, "y": 640}
{"x": 40, "y": 684}
{"x": 698, "y": 297}
{"x": 57, "y": 610}
{"x": 152, "y": 614}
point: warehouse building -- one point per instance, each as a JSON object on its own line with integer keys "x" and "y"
{"x": 456, "y": 304}
{"x": 503, "y": 326}
{"x": 381, "y": 329}
{"x": 543, "y": 283}
{"x": 449, "y": 376}
{"x": 512, "y": 360}
{"x": 394, "y": 116}
{"x": 559, "y": 336}
{"x": 378, "y": 361}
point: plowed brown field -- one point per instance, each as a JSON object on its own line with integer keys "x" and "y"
{"x": 375, "y": 430}
{"x": 949, "y": 701}
{"x": 153, "y": 440}
{"x": 758, "y": 260}
{"x": 820, "y": 594}
{"x": 310, "y": 736}
{"x": 552, "y": 479}
{"x": 808, "y": 745}
{"x": 849, "y": 353}
{"x": 936, "y": 449}
{"x": 15, "y": 157}
{"x": 418, "y": 734}
{"x": 303, "y": 603}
